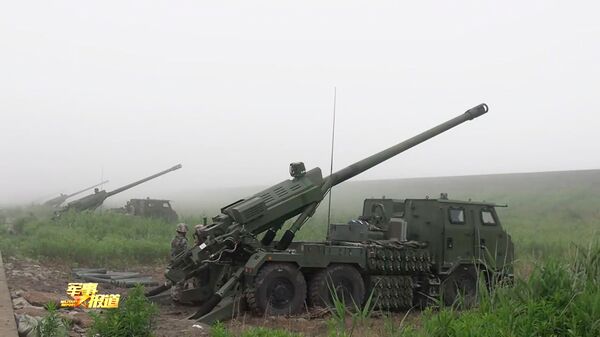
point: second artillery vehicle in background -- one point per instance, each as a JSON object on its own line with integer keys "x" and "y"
{"x": 93, "y": 201}
{"x": 232, "y": 265}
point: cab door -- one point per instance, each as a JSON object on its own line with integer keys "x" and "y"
{"x": 458, "y": 234}
{"x": 491, "y": 239}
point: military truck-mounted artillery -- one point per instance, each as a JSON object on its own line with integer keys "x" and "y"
{"x": 235, "y": 266}
{"x": 95, "y": 200}
{"x": 57, "y": 201}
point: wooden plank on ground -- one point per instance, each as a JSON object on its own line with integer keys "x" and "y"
{"x": 8, "y": 326}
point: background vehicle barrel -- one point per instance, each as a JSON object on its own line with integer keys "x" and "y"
{"x": 94, "y": 201}
{"x": 55, "y": 202}
{"x": 141, "y": 181}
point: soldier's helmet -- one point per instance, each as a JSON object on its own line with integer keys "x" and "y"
{"x": 182, "y": 228}
{"x": 198, "y": 229}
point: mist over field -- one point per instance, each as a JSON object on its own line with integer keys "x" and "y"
{"x": 235, "y": 91}
{"x": 556, "y": 190}
{"x": 547, "y": 213}
{"x": 546, "y": 210}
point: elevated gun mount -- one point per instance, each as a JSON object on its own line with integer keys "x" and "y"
{"x": 231, "y": 236}
{"x": 57, "y": 201}
{"x": 93, "y": 201}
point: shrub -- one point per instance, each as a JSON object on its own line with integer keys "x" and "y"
{"x": 52, "y": 325}
{"x": 557, "y": 299}
{"x": 133, "y": 318}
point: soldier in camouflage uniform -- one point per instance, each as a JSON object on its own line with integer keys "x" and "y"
{"x": 179, "y": 242}
{"x": 178, "y": 245}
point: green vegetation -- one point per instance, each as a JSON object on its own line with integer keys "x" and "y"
{"x": 52, "y": 325}
{"x": 547, "y": 212}
{"x": 557, "y": 299}
{"x": 91, "y": 239}
{"x": 341, "y": 312}
{"x": 134, "y": 317}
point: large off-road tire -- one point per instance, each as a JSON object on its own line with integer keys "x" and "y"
{"x": 345, "y": 279}
{"x": 278, "y": 289}
{"x": 460, "y": 287}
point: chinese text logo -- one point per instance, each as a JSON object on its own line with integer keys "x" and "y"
{"x": 86, "y": 295}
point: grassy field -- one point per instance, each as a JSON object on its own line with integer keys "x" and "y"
{"x": 547, "y": 213}
{"x": 553, "y": 218}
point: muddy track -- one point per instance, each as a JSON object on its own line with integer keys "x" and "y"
{"x": 37, "y": 283}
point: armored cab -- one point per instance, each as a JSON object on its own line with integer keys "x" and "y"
{"x": 456, "y": 232}
{"x": 462, "y": 238}
{"x": 151, "y": 208}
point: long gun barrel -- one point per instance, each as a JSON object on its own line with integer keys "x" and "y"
{"x": 376, "y": 159}
{"x": 57, "y": 201}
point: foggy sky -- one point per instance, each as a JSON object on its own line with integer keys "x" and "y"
{"x": 236, "y": 90}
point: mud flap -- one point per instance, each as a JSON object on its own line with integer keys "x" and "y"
{"x": 228, "y": 308}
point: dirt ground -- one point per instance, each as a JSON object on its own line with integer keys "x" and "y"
{"x": 32, "y": 284}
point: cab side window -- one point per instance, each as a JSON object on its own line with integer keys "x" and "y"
{"x": 398, "y": 209}
{"x": 487, "y": 218}
{"x": 456, "y": 215}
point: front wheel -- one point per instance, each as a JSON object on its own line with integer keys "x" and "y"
{"x": 460, "y": 287}
{"x": 278, "y": 289}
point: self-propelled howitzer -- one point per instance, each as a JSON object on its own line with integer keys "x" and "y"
{"x": 93, "y": 201}
{"x": 57, "y": 201}
{"x": 267, "y": 211}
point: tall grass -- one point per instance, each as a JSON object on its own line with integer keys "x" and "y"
{"x": 134, "y": 317}
{"x": 92, "y": 239}
{"x": 559, "y": 298}
{"x": 341, "y": 312}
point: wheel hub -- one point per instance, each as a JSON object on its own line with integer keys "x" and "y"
{"x": 281, "y": 292}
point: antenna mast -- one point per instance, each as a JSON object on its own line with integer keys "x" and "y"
{"x": 331, "y": 160}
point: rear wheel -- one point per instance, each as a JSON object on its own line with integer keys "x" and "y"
{"x": 460, "y": 287}
{"x": 278, "y": 289}
{"x": 347, "y": 282}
